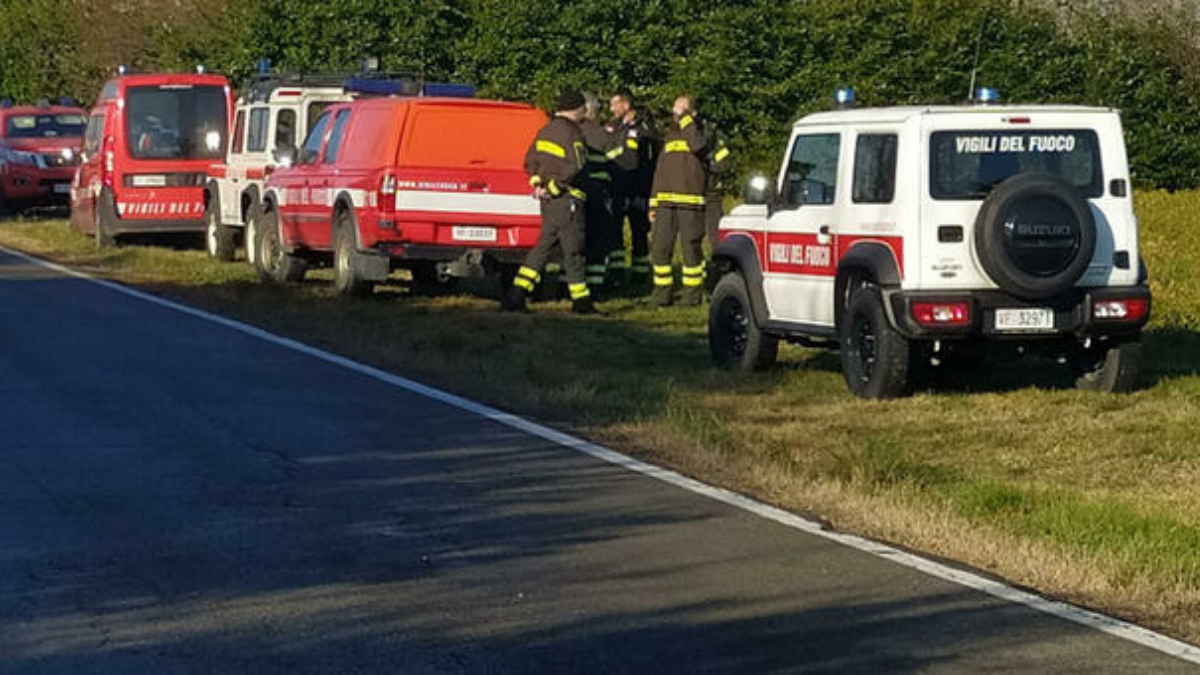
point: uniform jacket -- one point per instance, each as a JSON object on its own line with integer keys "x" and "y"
{"x": 681, "y": 177}
{"x": 717, "y": 162}
{"x": 603, "y": 148}
{"x": 637, "y": 161}
{"x": 556, "y": 157}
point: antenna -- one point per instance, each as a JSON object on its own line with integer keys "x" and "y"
{"x": 975, "y": 65}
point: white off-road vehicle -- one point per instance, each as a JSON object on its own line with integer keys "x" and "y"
{"x": 275, "y": 111}
{"x": 898, "y": 235}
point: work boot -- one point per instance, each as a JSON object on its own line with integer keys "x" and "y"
{"x": 661, "y": 296}
{"x": 584, "y": 305}
{"x": 513, "y": 300}
{"x": 691, "y": 296}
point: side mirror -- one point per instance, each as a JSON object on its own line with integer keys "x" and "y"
{"x": 760, "y": 191}
{"x": 285, "y": 155}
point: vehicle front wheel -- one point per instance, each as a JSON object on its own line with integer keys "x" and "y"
{"x": 348, "y": 280}
{"x": 1112, "y": 370}
{"x": 252, "y": 235}
{"x": 219, "y": 237}
{"x": 875, "y": 358}
{"x": 274, "y": 263}
{"x": 734, "y": 338}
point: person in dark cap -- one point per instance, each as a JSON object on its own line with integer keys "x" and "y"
{"x": 554, "y": 162}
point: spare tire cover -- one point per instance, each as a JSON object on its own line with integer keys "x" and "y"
{"x": 1035, "y": 235}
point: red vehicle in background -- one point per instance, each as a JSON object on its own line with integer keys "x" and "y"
{"x": 148, "y": 146}
{"x": 39, "y": 150}
{"x": 432, "y": 181}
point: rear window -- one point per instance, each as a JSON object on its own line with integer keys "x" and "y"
{"x": 470, "y": 137}
{"x": 176, "y": 121}
{"x": 968, "y": 164}
{"x": 45, "y": 126}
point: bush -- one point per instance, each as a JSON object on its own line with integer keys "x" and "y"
{"x": 755, "y": 65}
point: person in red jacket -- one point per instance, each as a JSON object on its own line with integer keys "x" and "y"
{"x": 678, "y": 198}
{"x": 554, "y": 163}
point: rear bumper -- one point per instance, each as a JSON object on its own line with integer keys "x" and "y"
{"x": 1073, "y": 314}
{"x": 401, "y": 253}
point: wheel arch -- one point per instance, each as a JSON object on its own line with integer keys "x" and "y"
{"x": 739, "y": 253}
{"x": 344, "y": 204}
{"x": 867, "y": 261}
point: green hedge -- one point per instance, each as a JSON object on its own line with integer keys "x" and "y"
{"x": 756, "y": 65}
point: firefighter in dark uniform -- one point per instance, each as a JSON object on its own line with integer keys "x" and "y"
{"x": 717, "y": 165}
{"x": 554, "y": 162}
{"x": 603, "y": 231}
{"x": 680, "y": 180}
{"x": 634, "y": 183}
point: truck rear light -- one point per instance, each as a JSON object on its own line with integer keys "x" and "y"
{"x": 1120, "y": 310}
{"x": 109, "y": 168}
{"x": 387, "y": 192}
{"x": 942, "y": 313}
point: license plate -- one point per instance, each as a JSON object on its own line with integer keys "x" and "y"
{"x": 149, "y": 181}
{"x": 467, "y": 233}
{"x": 1025, "y": 319}
{"x": 62, "y": 188}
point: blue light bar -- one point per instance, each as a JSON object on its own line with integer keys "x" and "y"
{"x": 448, "y": 89}
{"x": 845, "y": 97}
{"x": 6, "y": 102}
{"x": 376, "y": 87}
{"x": 987, "y": 95}
{"x": 67, "y": 102}
{"x": 263, "y": 66}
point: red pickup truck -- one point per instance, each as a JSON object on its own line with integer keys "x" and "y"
{"x": 431, "y": 183}
{"x": 39, "y": 150}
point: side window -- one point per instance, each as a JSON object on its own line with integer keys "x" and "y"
{"x": 94, "y": 134}
{"x": 335, "y": 138}
{"x": 239, "y": 133}
{"x": 312, "y": 144}
{"x": 812, "y": 171}
{"x": 314, "y": 109}
{"x": 285, "y": 128}
{"x": 259, "y": 118}
{"x": 875, "y": 169}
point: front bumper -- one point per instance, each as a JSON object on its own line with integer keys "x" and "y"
{"x": 1073, "y": 314}
{"x": 35, "y": 186}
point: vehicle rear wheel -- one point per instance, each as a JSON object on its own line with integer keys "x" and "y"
{"x": 348, "y": 279}
{"x": 734, "y": 338}
{"x": 252, "y": 235}
{"x": 875, "y": 358}
{"x": 1112, "y": 370}
{"x": 219, "y": 237}
{"x": 100, "y": 227}
{"x": 274, "y": 263}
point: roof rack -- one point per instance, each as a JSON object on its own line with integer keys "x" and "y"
{"x": 260, "y": 86}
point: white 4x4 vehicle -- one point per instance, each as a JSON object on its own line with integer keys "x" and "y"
{"x": 275, "y": 111}
{"x": 898, "y": 234}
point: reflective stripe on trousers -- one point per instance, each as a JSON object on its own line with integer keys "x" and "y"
{"x": 663, "y": 275}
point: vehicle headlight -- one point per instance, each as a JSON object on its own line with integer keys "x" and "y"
{"x": 23, "y": 158}
{"x": 68, "y": 155}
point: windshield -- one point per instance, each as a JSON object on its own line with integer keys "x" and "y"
{"x": 968, "y": 164}
{"x": 176, "y": 122}
{"x": 45, "y": 126}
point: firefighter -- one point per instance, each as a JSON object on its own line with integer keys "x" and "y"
{"x": 635, "y": 179}
{"x": 554, "y": 161}
{"x": 603, "y": 235}
{"x": 677, "y": 206}
{"x": 717, "y": 165}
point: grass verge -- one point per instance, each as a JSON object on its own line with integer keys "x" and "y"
{"x": 1087, "y": 497}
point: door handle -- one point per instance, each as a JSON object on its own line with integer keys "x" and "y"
{"x": 823, "y": 235}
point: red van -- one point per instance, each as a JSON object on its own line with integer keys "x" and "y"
{"x": 39, "y": 150}
{"x": 148, "y": 146}
{"x": 433, "y": 184}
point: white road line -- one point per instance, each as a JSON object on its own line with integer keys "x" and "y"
{"x": 1101, "y": 622}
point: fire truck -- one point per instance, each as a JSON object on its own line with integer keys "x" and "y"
{"x": 275, "y": 110}
{"x": 39, "y": 150}
{"x": 148, "y": 146}
{"x": 425, "y": 178}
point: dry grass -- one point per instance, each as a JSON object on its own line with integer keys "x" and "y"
{"x": 1087, "y": 497}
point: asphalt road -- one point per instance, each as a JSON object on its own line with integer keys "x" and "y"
{"x": 179, "y": 496}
